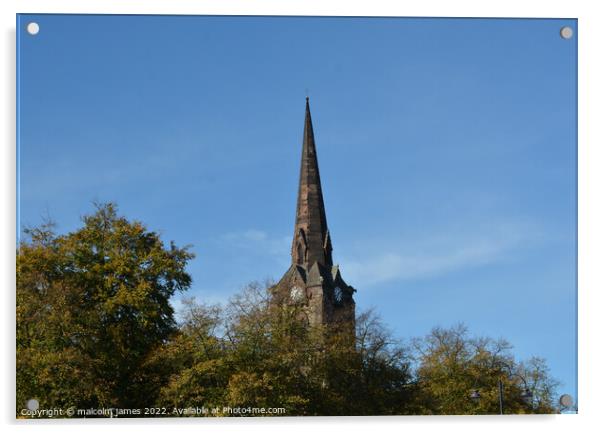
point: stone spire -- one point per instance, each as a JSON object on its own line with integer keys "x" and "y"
{"x": 311, "y": 240}
{"x": 311, "y": 281}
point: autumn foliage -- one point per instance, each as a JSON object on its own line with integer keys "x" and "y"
{"x": 95, "y": 328}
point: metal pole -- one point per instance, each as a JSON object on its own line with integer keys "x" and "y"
{"x": 501, "y": 391}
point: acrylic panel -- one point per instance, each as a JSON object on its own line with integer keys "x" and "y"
{"x": 295, "y": 216}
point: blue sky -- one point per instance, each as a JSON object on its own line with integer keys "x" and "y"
{"x": 447, "y": 150}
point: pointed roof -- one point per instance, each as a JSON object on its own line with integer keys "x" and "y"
{"x": 311, "y": 240}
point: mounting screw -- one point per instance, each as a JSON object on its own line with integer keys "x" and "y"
{"x": 566, "y": 32}
{"x": 33, "y": 28}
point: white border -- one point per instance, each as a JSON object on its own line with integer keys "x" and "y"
{"x": 590, "y": 214}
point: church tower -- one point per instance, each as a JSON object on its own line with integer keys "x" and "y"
{"x": 312, "y": 279}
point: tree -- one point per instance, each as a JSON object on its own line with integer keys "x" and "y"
{"x": 92, "y": 305}
{"x": 452, "y": 366}
{"x": 255, "y": 353}
{"x": 246, "y": 355}
{"x": 191, "y": 369}
{"x": 95, "y": 329}
{"x": 273, "y": 353}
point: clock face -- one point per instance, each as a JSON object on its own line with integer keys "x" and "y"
{"x": 296, "y": 294}
{"x": 338, "y": 295}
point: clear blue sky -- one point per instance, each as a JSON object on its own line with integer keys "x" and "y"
{"x": 447, "y": 152}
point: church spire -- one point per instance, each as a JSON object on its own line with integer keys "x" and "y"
{"x": 312, "y": 282}
{"x": 311, "y": 241}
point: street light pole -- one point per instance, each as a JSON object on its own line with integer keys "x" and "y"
{"x": 526, "y": 395}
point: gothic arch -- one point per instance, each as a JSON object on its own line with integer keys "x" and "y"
{"x": 301, "y": 247}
